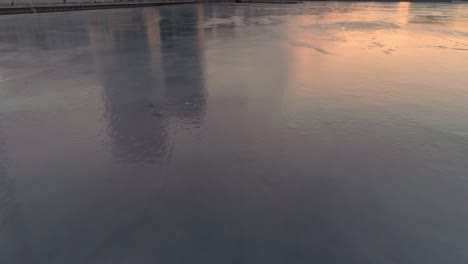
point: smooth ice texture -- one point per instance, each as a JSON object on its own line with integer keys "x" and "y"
{"x": 313, "y": 133}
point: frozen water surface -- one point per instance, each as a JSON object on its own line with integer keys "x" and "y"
{"x": 228, "y": 133}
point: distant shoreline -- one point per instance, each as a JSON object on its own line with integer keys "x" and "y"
{"x": 34, "y": 7}
{"x": 377, "y": 1}
{"x": 304, "y": 1}
{"x": 59, "y": 7}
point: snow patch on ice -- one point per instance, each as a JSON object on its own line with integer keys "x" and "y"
{"x": 310, "y": 46}
{"x": 355, "y": 25}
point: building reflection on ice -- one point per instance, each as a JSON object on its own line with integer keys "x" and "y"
{"x": 152, "y": 85}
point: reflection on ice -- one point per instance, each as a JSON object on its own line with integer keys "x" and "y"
{"x": 322, "y": 132}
